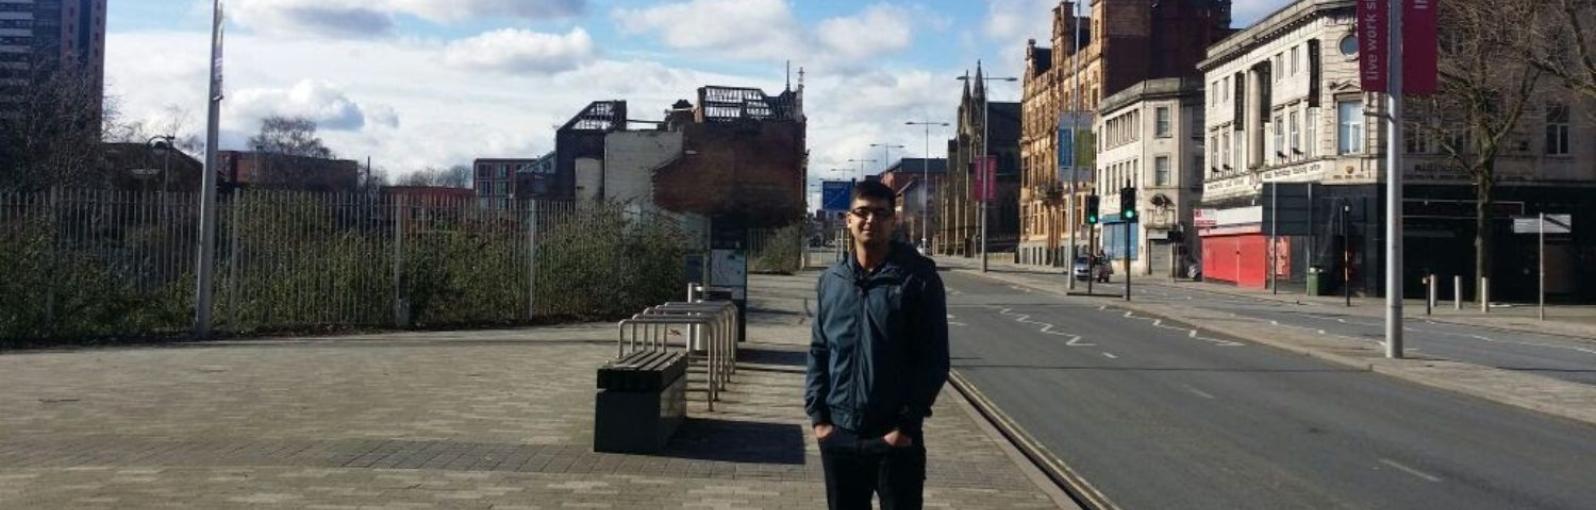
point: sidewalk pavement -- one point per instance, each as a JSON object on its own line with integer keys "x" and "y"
{"x": 481, "y": 419}
{"x": 1555, "y": 397}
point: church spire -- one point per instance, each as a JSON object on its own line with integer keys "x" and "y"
{"x": 980, "y": 84}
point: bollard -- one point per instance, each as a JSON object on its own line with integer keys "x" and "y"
{"x": 1457, "y": 292}
{"x": 1429, "y": 300}
{"x": 1485, "y": 295}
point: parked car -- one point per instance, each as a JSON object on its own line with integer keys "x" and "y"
{"x": 1084, "y": 269}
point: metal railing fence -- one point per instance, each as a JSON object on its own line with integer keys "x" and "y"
{"x": 99, "y": 263}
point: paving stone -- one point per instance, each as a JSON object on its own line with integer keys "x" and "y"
{"x": 478, "y": 419}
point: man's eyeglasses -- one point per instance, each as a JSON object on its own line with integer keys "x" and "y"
{"x": 871, "y": 213}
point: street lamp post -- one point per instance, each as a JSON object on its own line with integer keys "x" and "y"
{"x": 925, "y": 175}
{"x": 886, "y": 152}
{"x": 861, "y": 163}
{"x": 986, "y": 184}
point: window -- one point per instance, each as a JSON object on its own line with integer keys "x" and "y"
{"x": 1293, "y": 60}
{"x": 1213, "y": 159}
{"x": 1280, "y": 138}
{"x": 1557, "y": 130}
{"x": 1224, "y": 89}
{"x": 1161, "y": 126}
{"x": 1349, "y": 45}
{"x": 1225, "y": 160}
{"x": 1295, "y": 136}
{"x": 1276, "y": 69}
{"x": 1349, "y": 123}
{"x": 1161, "y": 171}
{"x": 1312, "y": 122}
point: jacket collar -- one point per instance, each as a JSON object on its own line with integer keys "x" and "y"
{"x": 897, "y": 259}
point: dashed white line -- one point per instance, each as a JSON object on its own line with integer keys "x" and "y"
{"x": 1110, "y": 355}
{"x": 1411, "y": 471}
{"x": 1200, "y": 393}
{"x": 960, "y": 324}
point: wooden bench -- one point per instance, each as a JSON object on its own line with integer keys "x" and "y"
{"x": 642, "y": 399}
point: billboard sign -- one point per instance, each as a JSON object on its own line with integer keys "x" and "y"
{"x": 1372, "y": 28}
{"x": 1419, "y": 53}
{"x": 836, "y": 196}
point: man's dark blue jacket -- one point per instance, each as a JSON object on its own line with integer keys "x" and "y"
{"x": 878, "y": 354}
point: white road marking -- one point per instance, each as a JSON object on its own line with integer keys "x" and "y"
{"x": 1200, "y": 393}
{"x": 952, "y": 323}
{"x": 1047, "y": 329}
{"x": 1322, "y": 332}
{"x": 1411, "y": 471}
{"x": 1110, "y": 355}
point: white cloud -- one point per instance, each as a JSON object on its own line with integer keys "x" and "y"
{"x": 521, "y": 51}
{"x": 414, "y": 112}
{"x": 325, "y": 18}
{"x": 879, "y": 29}
{"x": 750, "y": 29}
{"x": 458, "y": 10}
{"x": 329, "y": 106}
{"x": 373, "y": 18}
{"x": 1011, "y": 20}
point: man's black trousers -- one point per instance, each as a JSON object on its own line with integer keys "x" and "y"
{"x": 857, "y": 468}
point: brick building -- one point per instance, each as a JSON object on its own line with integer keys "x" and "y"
{"x": 281, "y": 171}
{"x": 498, "y": 182}
{"x": 1121, "y": 43}
{"x": 916, "y": 181}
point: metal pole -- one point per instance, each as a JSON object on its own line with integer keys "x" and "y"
{"x": 532, "y": 259}
{"x": 986, "y": 180}
{"x": 1346, "y": 255}
{"x": 1393, "y": 194}
{"x": 1457, "y": 292}
{"x": 1543, "y": 267}
{"x": 1075, "y": 126}
{"x": 1429, "y": 297}
{"x": 1127, "y": 235}
{"x": 925, "y": 191}
{"x": 1485, "y": 294}
{"x": 207, "y": 245}
{"x": 1274, "y": 237}
{"x": 1091, "y": 261}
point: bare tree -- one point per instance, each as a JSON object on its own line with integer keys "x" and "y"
{"x": 1486, "y": 89}
{"x": 50, "y": 131}
{"x": 1564, "y": 44}
{"x": 290, "y": 136}
{"x": 458, "y": 176}
{"x": 290, "y": 151}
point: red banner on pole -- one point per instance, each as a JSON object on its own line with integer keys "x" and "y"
{"x": 1419, "y": 31}
{"x": 1372, "y": 51}
{"x": 983, "y": 184}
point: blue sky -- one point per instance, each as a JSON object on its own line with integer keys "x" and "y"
{"x": 429, "y": 83}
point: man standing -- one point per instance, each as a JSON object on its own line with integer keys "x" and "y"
{"x": 878, "y": 357}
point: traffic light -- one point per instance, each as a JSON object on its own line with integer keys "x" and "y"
{"x": 1092, "y": 205}
{"x": 1127, "y": 204}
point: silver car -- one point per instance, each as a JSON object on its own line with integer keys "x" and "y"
{"x": 1084, "y": 269}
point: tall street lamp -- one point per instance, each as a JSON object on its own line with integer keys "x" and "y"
{"x": 861, "y": 163}
{"x": 985, "y": 182}
{"x": 925, "y": 186}
{"x": 886, "y": 152}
